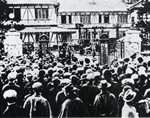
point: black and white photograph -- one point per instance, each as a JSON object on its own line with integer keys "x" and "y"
{"x": 74, "y": 58}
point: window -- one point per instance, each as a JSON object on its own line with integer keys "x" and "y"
{"x": 41, "y": 13}
{"x": 70, "y": 19}
{"x": 100, "y": 18}
{"x": 106, "y": 18}
{"x": 122, "y": 18}
{"x": 63, "y": 19}
{"x": 85, "y": 19}
{"x": 45, "y": 13}
{"x": 17, "y": 14}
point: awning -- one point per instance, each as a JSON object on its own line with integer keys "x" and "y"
{"x": 47, "y": 29}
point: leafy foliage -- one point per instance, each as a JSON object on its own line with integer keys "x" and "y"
{"x": 3, "y": 11}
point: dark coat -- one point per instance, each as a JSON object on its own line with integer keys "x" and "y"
{"x": 14, "y": 111}
{"x": 73, "y": 108}
{"x": 105, "y": 105}
{"x": 87, "y": 95}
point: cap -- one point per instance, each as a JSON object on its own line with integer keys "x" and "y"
{"x": 37, "y": 85}
{"x": 12, "y": 76}
{"x": 10, "y": 94}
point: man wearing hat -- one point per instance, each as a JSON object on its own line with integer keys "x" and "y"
{"x": 88, "y": 92}
{"x": 129, "y": 110}
{"x": 87, "y": 64}
{"x": 36, "y": 105}
{"x": 72, "y": 106}
{"x": 51, "y": 94}
{"x": 105, "y": 103}
{"x": 12, "y": 109}
{"x": 12, "y": 85}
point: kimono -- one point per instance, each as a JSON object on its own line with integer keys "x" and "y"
{"x": 73, "y": 108}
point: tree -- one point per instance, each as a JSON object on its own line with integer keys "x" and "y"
{"x": 3, "y": 11}
{"x": 143, "y": 24}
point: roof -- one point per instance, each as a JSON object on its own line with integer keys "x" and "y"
{"x": 48, "y": 29}
{"x": 31, "y": 1}
{"x": 136, "y": 5}
{"x": 91, "y": 5}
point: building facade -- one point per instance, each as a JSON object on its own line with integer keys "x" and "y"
{"x": 40, "y": 20}
{"x": 92, "y": 17}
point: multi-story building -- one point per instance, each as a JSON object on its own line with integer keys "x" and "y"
{"x": 40, "y": 20}
{"x": 94, "y": 16}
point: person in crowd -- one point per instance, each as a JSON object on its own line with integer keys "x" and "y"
{"x": 12, "y": 85}
{"x": 58, "y": 86}
{"x": 88, "y": 93}
{"x": 12, "y": 109}
{"x": 36, "y": 105}
{"x": 129, "y": 110}
{"x": 72, "y": 106}
{"x": 105, "y": 103}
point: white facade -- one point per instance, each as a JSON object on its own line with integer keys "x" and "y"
{"x": 13, "y": 43}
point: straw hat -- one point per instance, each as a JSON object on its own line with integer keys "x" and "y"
{"x": 129, "y": 95}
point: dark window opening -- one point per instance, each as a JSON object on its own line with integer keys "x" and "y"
{"x": 70, "y": 19}
{"x": 85, "y": 19}
{"x": 17, "y": 15}
{"x": 100, "y": 18}
{"x": 41, "y": 13}
{"x": 63, "y": 19}
{"x": 106, "y": 18}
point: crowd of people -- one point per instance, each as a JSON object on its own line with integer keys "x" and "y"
{"x": 50, "y": 86}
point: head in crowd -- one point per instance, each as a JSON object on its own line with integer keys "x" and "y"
{"x": 10, "y": 96}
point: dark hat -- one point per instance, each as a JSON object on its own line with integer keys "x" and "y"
{"x": 56, "y": 81}
{"x": 60, "y": 71}
{"x": 126, "y": 60}
{"x": 20, "y": 69}
{"x": 133, "y": 56}
{"x": 74, "y": 59}
{"x": 104, "y": 84}
{"x": 19, "y": 57}
{"x": 107, "y": 73}
{"x": 129, "y": 95}
{"x": 68, "y": 88}
{"x": 42, "y": 73}
{"x": 83, "y": 77}
{"x": 74, "y": 67}
{"x": 87, "y": 60}
{"x": 74, "y": 79}
{"x": 140, "y": 59}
